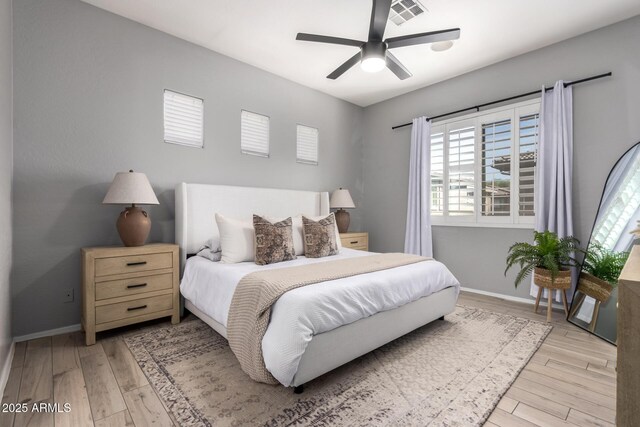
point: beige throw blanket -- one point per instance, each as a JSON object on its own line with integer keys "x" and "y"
{"x": 255, "y": 294}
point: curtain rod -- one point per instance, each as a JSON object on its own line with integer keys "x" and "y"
{"x": 477, "y": 107}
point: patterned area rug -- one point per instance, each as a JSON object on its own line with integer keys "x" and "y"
{"x": 450, "y": 372}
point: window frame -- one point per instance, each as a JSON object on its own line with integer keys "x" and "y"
{"x": 513, "y": 112}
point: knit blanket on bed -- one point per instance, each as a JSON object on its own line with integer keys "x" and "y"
{"x": 250, "y": 308}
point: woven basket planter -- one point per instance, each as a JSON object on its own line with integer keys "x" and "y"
{"x": 542, "y": 278}
{"x": 595, "y": 288}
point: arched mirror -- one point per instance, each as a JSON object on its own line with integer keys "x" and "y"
{"x": 595, "y": 301}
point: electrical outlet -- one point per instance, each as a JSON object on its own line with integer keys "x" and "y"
{"x": 68, "y": 296}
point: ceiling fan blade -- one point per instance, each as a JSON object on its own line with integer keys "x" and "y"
{"x": 344, "y": 67}
{"x": 379, "y": 16}
{"x": 422, "y": 38}
{"x": 396, "y": 67}
{"x": 328, "y": 39}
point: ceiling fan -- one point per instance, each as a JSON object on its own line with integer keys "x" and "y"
{"x": 374, "y": 54}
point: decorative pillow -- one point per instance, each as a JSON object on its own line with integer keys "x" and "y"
{"x": 318, "y": 218}
{"x": 320, "y": 237}
{"x": 274, "y": 241}
{"x": 298, "y": 236}
{"x": 236, "y": 239}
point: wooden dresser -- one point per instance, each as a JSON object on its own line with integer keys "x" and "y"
{"x": 358, "y": 241}
{"x": 121, "y": 286}
{"x": 628, "y": 365}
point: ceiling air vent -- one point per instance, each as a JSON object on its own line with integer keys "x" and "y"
{"x": 405, "y": 10}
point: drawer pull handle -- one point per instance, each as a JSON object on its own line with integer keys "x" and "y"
{"x": 139, "y": 285}
{"x": 354, "y": 242}
{"x": 131, "y": 264}
{"x": 140, "y": 307}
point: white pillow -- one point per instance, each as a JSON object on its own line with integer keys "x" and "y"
{"x": 318, "y": 218}
{"x": 237, "y": 239}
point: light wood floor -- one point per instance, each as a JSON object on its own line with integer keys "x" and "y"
{"x": 569, "y": 381}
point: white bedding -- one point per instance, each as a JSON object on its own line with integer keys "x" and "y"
{"x": 310, "y": 310}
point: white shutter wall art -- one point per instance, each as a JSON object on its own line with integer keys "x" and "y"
{"x": 183, "y": 119}
{"x": 254, "y": 134}
{"x": 307, "y": 145}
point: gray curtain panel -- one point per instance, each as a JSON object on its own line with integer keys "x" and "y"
{"x": 417, "y": 238}
{"x": 553, "y": 187}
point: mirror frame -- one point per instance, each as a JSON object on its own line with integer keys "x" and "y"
{"x": 595, "y": 220}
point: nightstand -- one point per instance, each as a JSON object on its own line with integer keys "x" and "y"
{"x": 126, "y": 285}
{"x": 358, "y": 241}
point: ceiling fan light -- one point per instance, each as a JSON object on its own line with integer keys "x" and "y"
{"x": 373, "y": 64}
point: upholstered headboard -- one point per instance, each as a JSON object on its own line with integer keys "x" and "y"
{"x": 197, "y": 204}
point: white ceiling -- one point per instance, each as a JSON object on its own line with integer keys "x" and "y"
{"x": 262, "y": 33}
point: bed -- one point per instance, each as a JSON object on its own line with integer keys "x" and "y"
{"x": 316, "y": 328}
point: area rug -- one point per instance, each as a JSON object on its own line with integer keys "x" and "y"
{"x": 450, "y": 372}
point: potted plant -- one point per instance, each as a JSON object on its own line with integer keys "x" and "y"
{"x": 549, "y": 258}
{"x": 600, "y": 271}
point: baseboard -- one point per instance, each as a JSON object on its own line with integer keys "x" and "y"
{"x": 48, "y": 333}
{"x": 509, "y": 297}
{"x": 6, "y": 369}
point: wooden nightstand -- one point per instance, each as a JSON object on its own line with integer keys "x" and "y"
{"x": 358, "y": 241}
{"x": 121, "y": 286}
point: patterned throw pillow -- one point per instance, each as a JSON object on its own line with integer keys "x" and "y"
{"x": 320, "y": 237}
{"x": 274, "y": 242}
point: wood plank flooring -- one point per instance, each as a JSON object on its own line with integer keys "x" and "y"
{"x": 570, "y": 381}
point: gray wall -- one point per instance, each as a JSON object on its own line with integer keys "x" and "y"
{"x": 88, "y": 103}
{"x": 6, "y": 160}
{"x": 606, "y": 123}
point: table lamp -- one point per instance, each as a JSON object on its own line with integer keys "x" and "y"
{"x": 341, "y": 199}
{"x": 133, "y": 223}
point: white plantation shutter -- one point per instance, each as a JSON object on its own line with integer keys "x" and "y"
{"x": 529, "y": 127}
{"x": 437, "y": 173}
{"x": 495, "y": 168}
{"x": 183, "y": 119}
{"x": 307, "y": 145}
{"x": 461, "y": 165}
{"x": 254, "y": 134}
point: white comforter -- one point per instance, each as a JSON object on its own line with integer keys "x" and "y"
{"x": 304, "y": 312}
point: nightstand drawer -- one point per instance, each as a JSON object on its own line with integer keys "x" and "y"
{"x": 355, "y": 241}
{"x": 133, "y": 308}
{"x": 133, "y": 286}
{"x": 133, "y": 263}
{"x": 361, "y": 241}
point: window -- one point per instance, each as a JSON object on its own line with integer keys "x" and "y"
{"x": 473, "y": 178}
{"x": 307, "y": 145}
{"x": 254, "y": 134}
{"x": 183, "y": 119}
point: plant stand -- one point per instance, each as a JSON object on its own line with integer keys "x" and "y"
{"x": 542, "y": 279}
{"x": 595, "y": 288}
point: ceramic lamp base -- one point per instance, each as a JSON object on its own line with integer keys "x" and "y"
{"x": 133, "y": 226}
{"x": 342, "y": 220}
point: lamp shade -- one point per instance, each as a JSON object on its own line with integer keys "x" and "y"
{"x": 341, "y": 199}
{"x": 130, "y": 188}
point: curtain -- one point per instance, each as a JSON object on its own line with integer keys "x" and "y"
{"x": 553, "y": 203}
{"x": 417, "y": 238}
